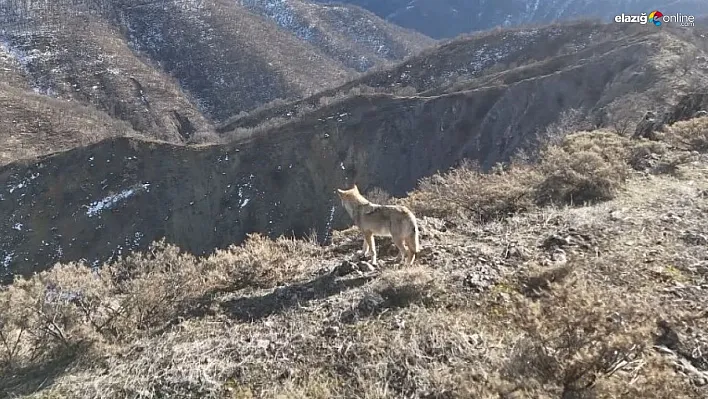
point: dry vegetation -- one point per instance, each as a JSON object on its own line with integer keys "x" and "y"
{"x": 579, "y": 275}
{"x": 33, "y": 125}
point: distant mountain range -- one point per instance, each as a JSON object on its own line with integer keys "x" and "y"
{"x": 449, "y": 18}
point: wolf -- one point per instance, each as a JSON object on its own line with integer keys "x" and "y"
{"x": 395, "y": 221}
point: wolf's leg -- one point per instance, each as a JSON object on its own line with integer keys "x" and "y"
{"x": 369, "y": 237}
{"x": 365, "y": 250}
{"x": 410, "y": 256}
{"x": 402, "y": 252}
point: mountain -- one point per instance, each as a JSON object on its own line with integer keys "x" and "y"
{"x": 463, "y": 60}
{"x": 355, "y": 37}
{"x": 116, "y": 196}
{"x": 171, "y": 69}
{"x": 448, "y": 18}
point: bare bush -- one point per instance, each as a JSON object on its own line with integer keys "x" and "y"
{"x": 624, "y": 115}
{"x": 575, "y": 336}
{"x": 569, "y": 121}
{"x": 72, "y": 305}
{"x": 467, "y": 190}
{"x": 379, "y": 196}
{"x": 691, "y": 135}
{"x": 587, "y": 167}
{"x": 259, "y": 262}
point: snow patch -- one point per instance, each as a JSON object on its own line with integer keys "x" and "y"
{"x": 328, "y": 225}
{"x": 24, "y": 183}
{"x": 109, "y": 202}
{"x": 7, "y": 259}
{"x": 282, "y": 14}
{"x": 26, "y": 59}
{"x": 137, "y": 238}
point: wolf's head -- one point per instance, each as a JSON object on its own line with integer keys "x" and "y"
{"x": 351, "y": 198}
{"x": 350, "y": 194}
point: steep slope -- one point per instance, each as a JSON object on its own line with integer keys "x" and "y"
{"x": 118, "y": 195}
{"x": 89, "y": 62}
{"x": 356, "y": 37}
{"x": 170, "y": 69}
{"x": 457, "y": 61}
{"x": 449, "y": 18}
{"x": 32, "y": 124}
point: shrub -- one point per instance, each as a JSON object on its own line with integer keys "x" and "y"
{"x": 467, "y": 190}
{"x": 574, "y": 336}
{"x": 259, "y": 262}
{"x": 73, "y": 305}
{"x": 378, "y": 196}
{"x": 587, "y": 167}
{"x": 691, "y": 135}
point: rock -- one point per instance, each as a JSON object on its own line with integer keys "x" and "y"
{"x": 370, "y": 303}
{"x": 694, "y": 238}
{"x": 557, "y": 241}
{"x": 263, "y": 344}
{"x": 478, "y": 282}
{"x": 348, "y": 316}
{"x": 700, "y": 114}
{"x": 399, "y": 323}
{"x": 647, "y": 126}
{"x": 513, "y": 251}
{"x": 347, "y": 267}
{"x": 667, "y": 336}
{"x": 559, "y": 257}
{"x": 331, "y": 331}
{"x": 365, "y": 267}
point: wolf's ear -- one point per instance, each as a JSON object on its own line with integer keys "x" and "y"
{"x": 340, "y": 191}
{"x": 355, "y": 188}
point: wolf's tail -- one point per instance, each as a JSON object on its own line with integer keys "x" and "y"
{"x": 416, "y": 236}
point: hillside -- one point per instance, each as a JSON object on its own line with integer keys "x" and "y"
{"x": 355, "y": 37}
{"x": 449, "y": 18}
{"x": 579, "y": 275}
{"x": 116, "y": 196}
{"x": 89, "y": 62}
{"x": 172, "y": 69}
{"x": 464, "y": 60}
{"x": 33, "y": 124}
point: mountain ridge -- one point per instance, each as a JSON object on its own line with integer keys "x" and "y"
{"x": 450, "y": 18}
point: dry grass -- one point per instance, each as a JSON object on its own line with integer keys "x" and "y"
{"x": 603, "y": 300}
{"x": 32, "y": 125}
